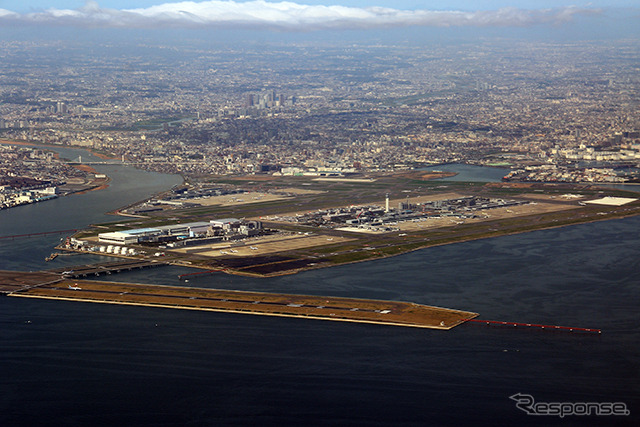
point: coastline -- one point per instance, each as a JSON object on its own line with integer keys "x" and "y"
{"x": 419, "y": 246}
{"x": 95, "y": 184}
{"x": 398, "y": 247}
{"x": 426, "y": 246}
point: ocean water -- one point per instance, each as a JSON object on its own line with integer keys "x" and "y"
{"x": 73, "y": 363}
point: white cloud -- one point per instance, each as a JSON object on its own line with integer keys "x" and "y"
{"x": 4, "y": 13}
{"x": 286, "y": 16}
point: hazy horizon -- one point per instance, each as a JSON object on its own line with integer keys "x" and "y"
{"x": 341, "y": 21}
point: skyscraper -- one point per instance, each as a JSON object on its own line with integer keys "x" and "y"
{"x": 61, "y": 108}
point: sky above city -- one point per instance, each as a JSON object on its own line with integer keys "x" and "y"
{"x": 33, "y": 5}
{"x": 616, "y": 16}
{"x": 303, "y": 15}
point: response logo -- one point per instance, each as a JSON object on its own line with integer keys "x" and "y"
{"x": 526, "y": 403}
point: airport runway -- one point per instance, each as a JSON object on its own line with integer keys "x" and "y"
{"x": 288, "y": 305}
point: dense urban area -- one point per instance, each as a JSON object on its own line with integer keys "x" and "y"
{"x": 549, "y": 112}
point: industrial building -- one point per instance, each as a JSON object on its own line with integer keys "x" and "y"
{"x": 226, "y": 227}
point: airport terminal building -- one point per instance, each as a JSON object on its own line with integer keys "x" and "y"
{"x": 167, "y": 233}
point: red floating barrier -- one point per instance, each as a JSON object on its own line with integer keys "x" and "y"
{"x": 515, "y": 324}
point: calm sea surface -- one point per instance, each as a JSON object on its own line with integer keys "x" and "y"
{"x": 68, "y": 363}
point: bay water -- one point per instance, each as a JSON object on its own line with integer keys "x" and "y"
{"x": 73, "y": 363}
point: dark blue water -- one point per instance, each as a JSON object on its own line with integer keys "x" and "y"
{"x": 67, "y": 363}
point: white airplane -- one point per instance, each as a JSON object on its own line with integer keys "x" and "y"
{"x": 75, "y": 288}
{"x": 67, "y": 272}
{"x": 253, "y": 248}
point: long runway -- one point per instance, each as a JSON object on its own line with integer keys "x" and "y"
{"x": 287, "y": 305}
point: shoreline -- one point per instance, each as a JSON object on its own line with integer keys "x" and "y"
{"x": 426, "y": 245}
{"x": 96, "y": 184}
{"x": 399, "y": 248}
{"x": 470, "y": 239}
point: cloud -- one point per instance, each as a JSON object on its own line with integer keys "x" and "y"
{"x": 7, "y": 14}
{"x": 284, "y": 16}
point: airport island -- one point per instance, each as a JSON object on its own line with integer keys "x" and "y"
{"x": 264, "y": 228}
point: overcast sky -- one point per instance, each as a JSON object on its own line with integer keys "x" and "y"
{"x": 321, "y": 15}
{"x": 32, "y": 5}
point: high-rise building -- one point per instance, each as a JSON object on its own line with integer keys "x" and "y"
{"x": 61, "y": 108}
{"x": 268, "y": 99}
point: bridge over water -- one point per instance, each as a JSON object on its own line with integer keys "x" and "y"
{"x": 15, "y": 281}
{"x": 105, "y": 268}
